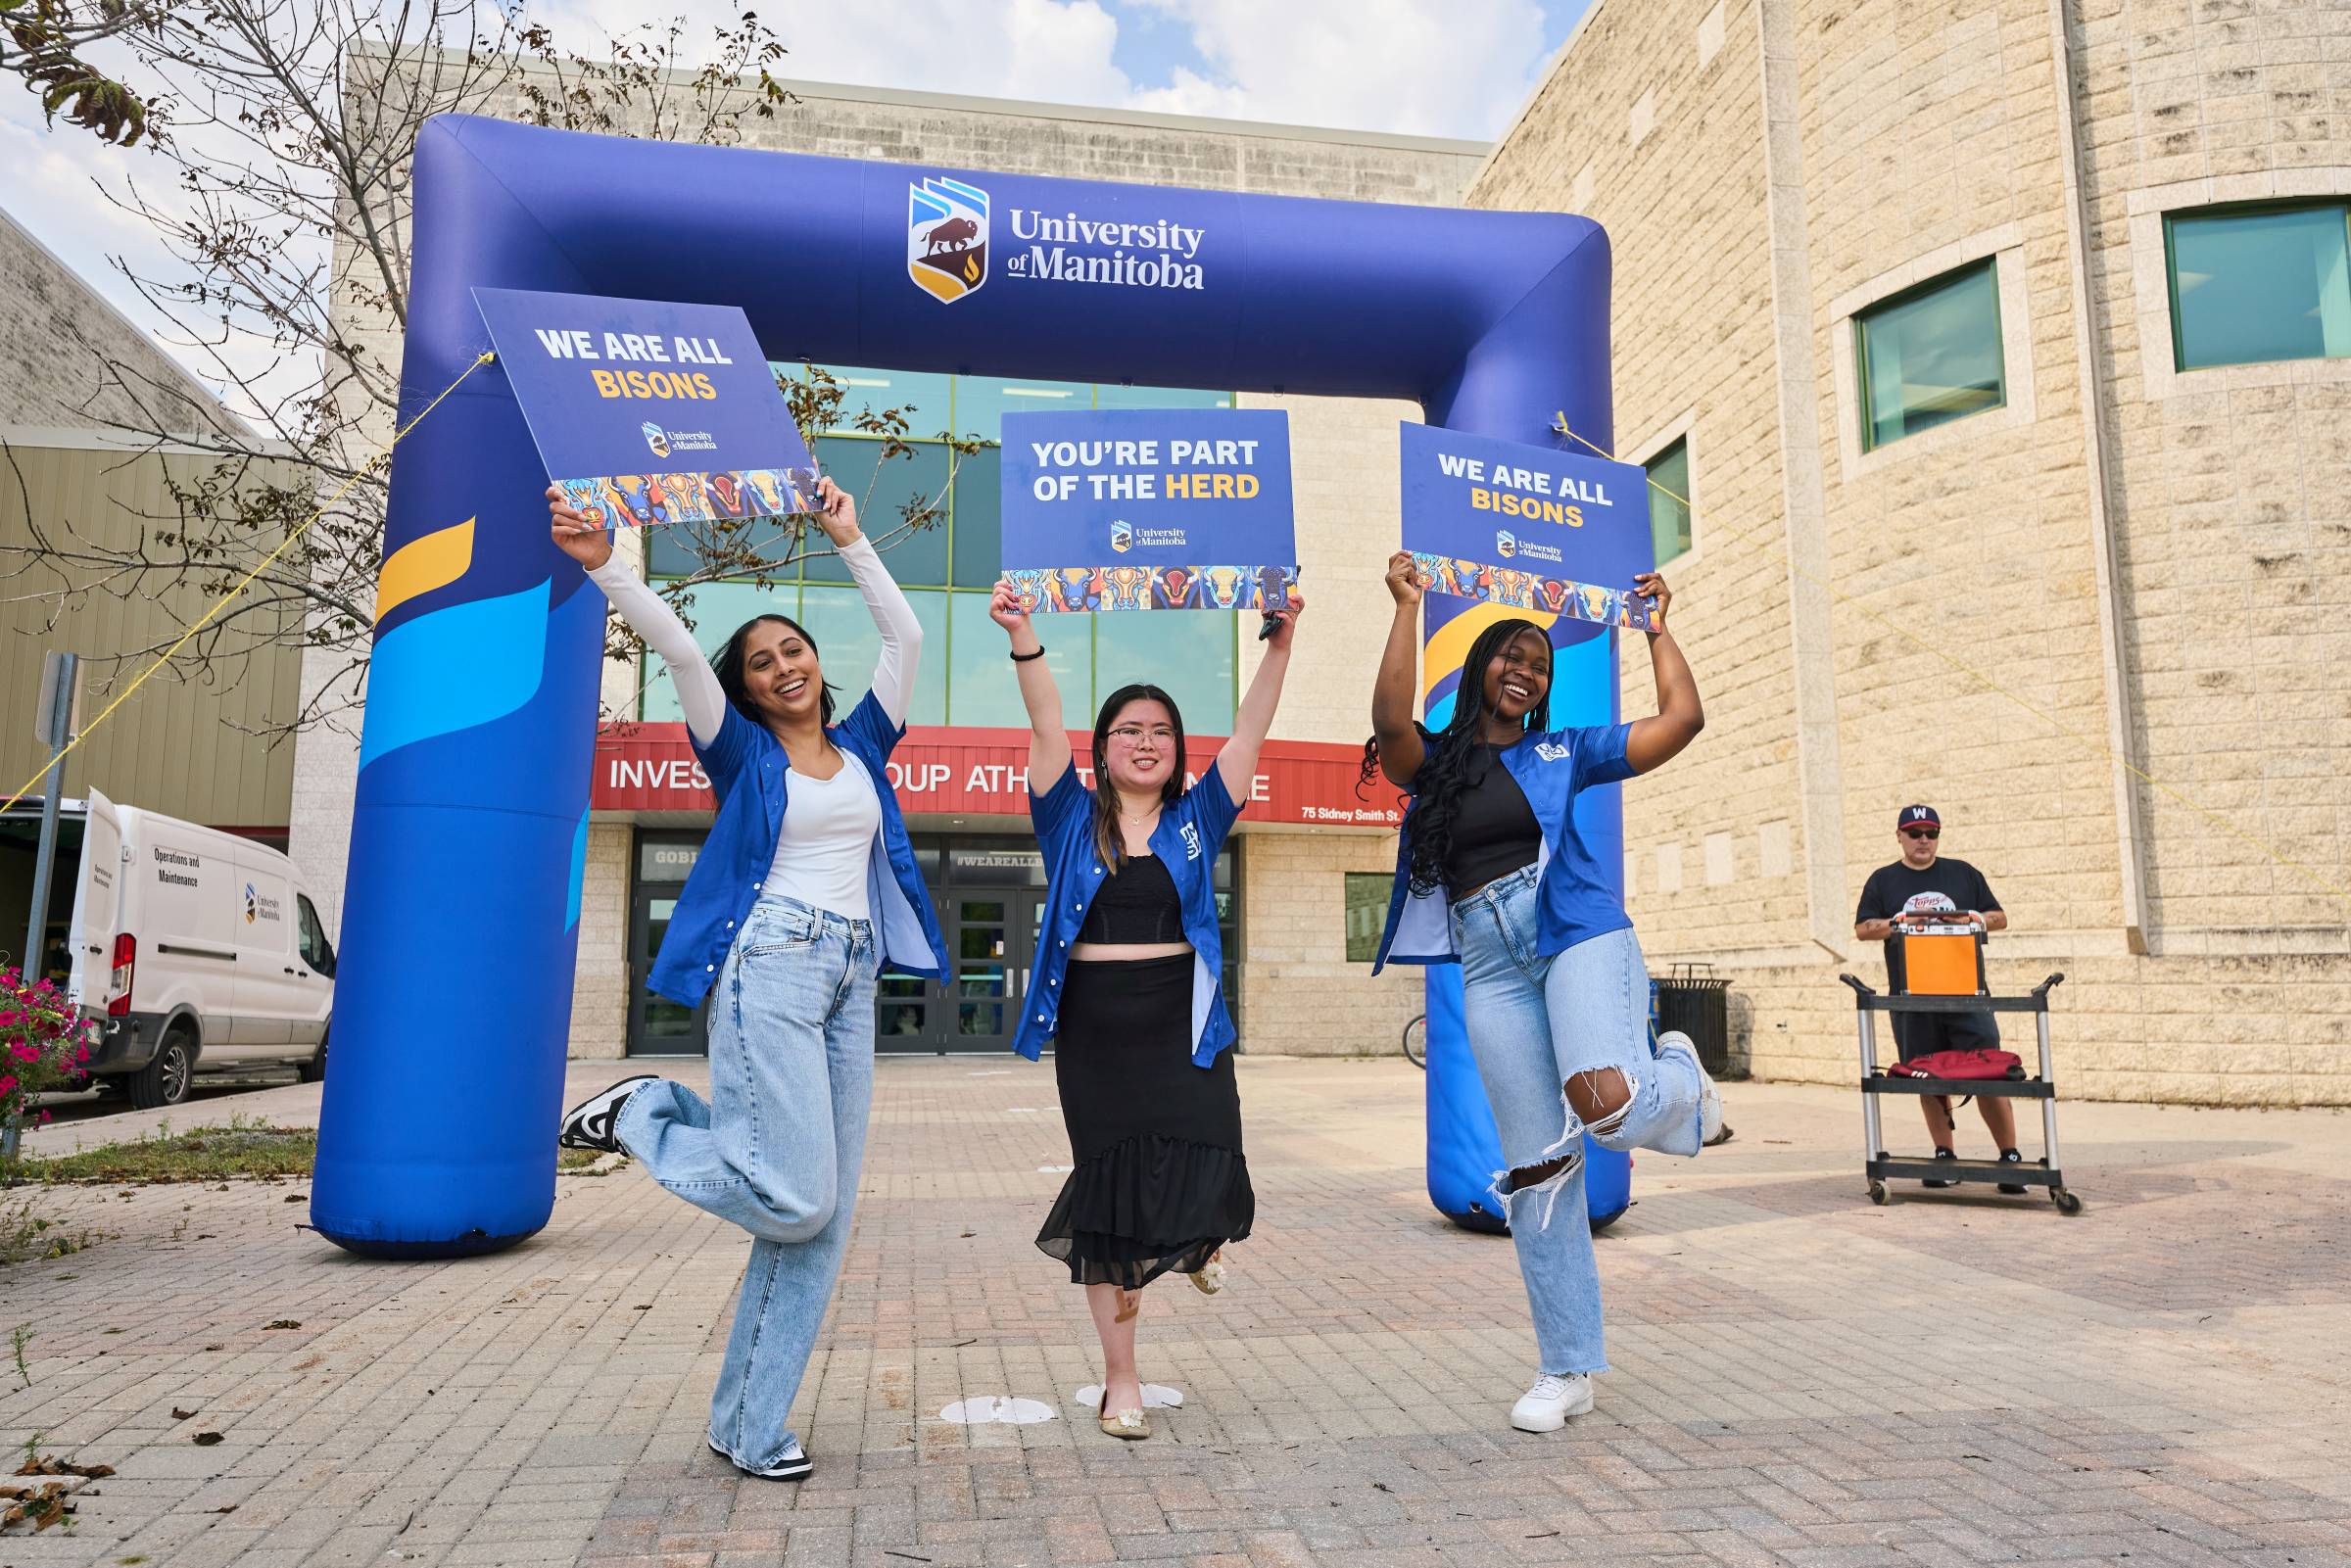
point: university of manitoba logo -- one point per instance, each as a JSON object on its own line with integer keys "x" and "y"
{"x": 946, "y": 237}
{"x": 1122, "y": 537}
{"x": 252, "y": 904}
{"x": 656, "y": 438}
{"x": 1552, "y": 751}
{"x": 1504, "y": 545}
{"x": 1191, "y": 841}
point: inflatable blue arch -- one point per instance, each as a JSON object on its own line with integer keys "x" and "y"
{"x": 461, "y": 910}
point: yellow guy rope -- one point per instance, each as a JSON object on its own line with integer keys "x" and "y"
{"x": 222, "y": 604}
{"x": 1969, "y": 670}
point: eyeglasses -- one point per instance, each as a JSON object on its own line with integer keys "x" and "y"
{"x": 1915, "y": 832}
{"x": 1132, "y": 734}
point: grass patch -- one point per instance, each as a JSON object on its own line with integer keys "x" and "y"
{"x": 25, "y": 1236}
{"x": 242, "y": 1149}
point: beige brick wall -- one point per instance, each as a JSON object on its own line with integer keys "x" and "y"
{"x": 1300, "y": 996}
{"x": 1910, "y": 143}
{"x": 599, "y": 984}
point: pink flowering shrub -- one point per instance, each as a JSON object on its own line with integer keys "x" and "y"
{"x": 44, "y": 1042}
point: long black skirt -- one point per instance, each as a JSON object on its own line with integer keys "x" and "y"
{"x": 1160, "y": 1182}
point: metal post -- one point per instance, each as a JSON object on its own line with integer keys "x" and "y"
{"x": 2048, "y": 1106}
{"x": 53, "y": 725}
{"x": 1869, "y": 1102}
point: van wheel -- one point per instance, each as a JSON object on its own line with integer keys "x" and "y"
{"x": 163, "y": 1081}
{"x": 312, "y": 1067}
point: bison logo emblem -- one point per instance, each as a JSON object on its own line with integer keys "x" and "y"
{"x": 946, "y": 237}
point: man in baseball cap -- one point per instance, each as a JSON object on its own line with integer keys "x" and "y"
{"x": 1913, "y": 891}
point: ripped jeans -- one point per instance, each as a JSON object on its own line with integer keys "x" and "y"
{"x": 1534, "y": 1023}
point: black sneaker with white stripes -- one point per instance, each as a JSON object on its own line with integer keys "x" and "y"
{"x": 590, "y": 1124}
{"x": 793, "y": 1464}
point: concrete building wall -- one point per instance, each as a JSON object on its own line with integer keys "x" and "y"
{"x": 2124, "y": 558}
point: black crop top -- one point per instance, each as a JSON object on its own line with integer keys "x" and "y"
{"x": 1494, "y": 829}
{"x": 1139, "y": 905}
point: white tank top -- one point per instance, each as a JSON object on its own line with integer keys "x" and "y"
{"x": 828, "y": 840}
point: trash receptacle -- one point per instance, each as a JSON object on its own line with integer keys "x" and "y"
{"x": 1690, "y": 999}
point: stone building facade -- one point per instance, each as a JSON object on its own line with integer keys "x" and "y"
{"x": 2100, "y": 626}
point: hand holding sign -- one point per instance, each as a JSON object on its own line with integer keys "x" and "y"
{"x": 587, "y": 542}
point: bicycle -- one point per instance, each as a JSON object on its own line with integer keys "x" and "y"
{"x": 1416, "y": 1042}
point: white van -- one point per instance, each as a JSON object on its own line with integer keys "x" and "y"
{"x": 194, "y": 949}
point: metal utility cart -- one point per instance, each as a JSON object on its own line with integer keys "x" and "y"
{"x": 1881, "y": 1168}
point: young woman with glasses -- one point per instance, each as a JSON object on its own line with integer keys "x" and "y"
{"x": 1126, "y": 983}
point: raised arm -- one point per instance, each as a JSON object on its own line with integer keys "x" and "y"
{"x": 893, "y": 617}
{"x": 1236, "y": 764}
{"x": 699, "y": 695}
{"x": 1653, "y": 742}
{"x": 1401, "y": 750}
{"x": 1048, "y": 739}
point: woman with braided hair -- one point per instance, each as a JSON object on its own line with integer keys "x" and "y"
{"x": 1493, "y": 874}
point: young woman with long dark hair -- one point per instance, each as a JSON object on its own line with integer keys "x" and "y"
{"x": 805, "y": 890}
{"x": 1127, "y": 984}
{"x": 1493, "y": 874}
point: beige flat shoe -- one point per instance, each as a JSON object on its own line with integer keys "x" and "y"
{"x": 1208, "y": 1278}
{"x": 1131, "y": 1425}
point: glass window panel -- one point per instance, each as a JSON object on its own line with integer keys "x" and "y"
{"x": 982, "y": 401}
{"x": 881, "y": 489}
{"x": 847, "y": 643}
{"x": 981, "y": 689}
{"x": 919, "y": 396}
{"x": 2252, "y": 287}
{"x": 1107, "y": 396}
{"x": 714, "y": 610}
{"x": 980, "y": 518}
{"x": 1366, "y": 914}
{"x": 1187, "y": 653}
{"x": 980, "y": 1017}
{"x": 900, "y": 1019}
{"x": 1931, "y": 357}
{"x": 1669, "y": 518}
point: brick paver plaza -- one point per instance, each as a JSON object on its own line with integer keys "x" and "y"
{"x": 1800, "y": 1377}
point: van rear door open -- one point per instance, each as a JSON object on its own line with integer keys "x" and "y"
{"x": 97, "y": 906}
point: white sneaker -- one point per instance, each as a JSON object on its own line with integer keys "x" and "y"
{"x": 1711, "y": 1130}
{"x": 1547, "y": 1405}
{"x": 591, "y": 1123}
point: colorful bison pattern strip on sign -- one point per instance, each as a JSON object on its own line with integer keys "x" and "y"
{"x": 1050, "y": 590}
{"x": 1524, "y": 590}
{"x": 646, "y": 500}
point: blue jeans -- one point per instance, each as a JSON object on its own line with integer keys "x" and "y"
{"x": 775, "y": 1149}
{"x": 1534, "y": 1023}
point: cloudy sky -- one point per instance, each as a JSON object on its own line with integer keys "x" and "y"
{"x": 1439, "y": 68}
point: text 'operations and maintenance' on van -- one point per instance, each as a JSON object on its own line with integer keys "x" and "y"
{"x": 194, "y": 950}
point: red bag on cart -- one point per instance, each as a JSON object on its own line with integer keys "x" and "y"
{"x": 1962, "y": 1066}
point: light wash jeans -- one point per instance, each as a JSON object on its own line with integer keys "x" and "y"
{"x": 1535, "y": 1023}
{"x": 777, "y": 1147}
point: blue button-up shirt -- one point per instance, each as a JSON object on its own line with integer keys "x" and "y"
{"x": 746, "y": 764}
{"x": 1187, "y": 840}
{"x": 1575, "y": 898}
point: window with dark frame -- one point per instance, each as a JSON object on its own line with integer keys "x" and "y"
{"x": 1931, "y": 354}
{"x": 2258, "y": 285}
{"x": 1366, "y": 913}
{"x": 1669, "y": 501}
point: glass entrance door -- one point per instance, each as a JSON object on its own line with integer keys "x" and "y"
{"x": 657, "y": 1026}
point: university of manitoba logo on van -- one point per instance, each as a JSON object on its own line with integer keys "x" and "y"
{"x": 252, "y": 904}
{"x": 1122, "y": 537}
{"x": 656, "y": 438}
{"x": 946, "y": 237}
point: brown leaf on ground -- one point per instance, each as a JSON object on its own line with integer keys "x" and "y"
{"x": 178, "y": 1414}
{"x": 205, "y": 1440}
{"x": 51, "y": 1464}
{"x": 283, "y": 1322}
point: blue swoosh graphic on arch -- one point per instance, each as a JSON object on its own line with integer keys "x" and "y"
{"x": 456, "y": 668}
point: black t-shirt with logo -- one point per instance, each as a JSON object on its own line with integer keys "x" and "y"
{"x": 1898, "y": 889}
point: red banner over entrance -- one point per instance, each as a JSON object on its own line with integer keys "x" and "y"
{"x": 651, "y": 767}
